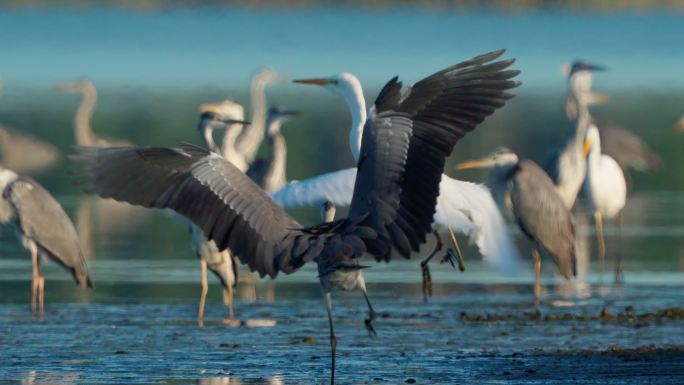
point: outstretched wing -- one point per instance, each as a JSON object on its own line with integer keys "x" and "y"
{"x": 228, "y": 207}
{"x": 336, "y": 187}
{"x": 406, "y": 140}
{"x": 42, "y": 219}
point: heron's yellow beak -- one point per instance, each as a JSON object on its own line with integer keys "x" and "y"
{"x": 587, "y": 148}
{"x": 596, "y": 98}
{"x": 316, "y": 81}
{"x": 468, "y": 165}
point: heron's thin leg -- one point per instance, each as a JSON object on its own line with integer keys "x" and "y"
{"x": 459, "y": 254}
{"x": 228, "y": 297}
{"x": 205, "y": 289}
{"x": 84, "y": 226}
{"x": 427, "y": 278}
{"x": 35, "y": 276}
{"x": 537, "y": 275}
{"x": 371, "y": 313}
{"x": 598, "y": 219}
{"x": 249, "y": 287}
{"x": 618, "y": 261}
{"x": 41, "y": 295}
{"x": 333, "y": 339}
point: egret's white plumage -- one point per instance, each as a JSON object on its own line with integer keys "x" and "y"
{"x": 605, "y": 186}
{"x": 463, "y": 207}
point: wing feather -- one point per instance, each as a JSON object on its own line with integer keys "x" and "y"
{"x": 407, "y": 138}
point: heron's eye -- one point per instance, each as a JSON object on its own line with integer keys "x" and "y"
{"x": 334, "y": 81}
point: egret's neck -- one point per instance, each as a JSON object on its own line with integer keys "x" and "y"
{"x": 594, "y": 156}
{"x": 276, "y": 176}
{"x": 252, "y": 135}
{"x": 230, "y": 140}
{"x": 357, "y": 107}
{"x": 84, "y": 113}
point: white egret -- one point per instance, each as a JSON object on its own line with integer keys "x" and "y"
{"x": 605, "y": 190}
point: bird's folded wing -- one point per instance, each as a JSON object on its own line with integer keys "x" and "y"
{"x": 542, "y": 215}
{"x": 43, "y": 219}
{"x": 228, "y": 207}
{"x": 336, "y": 187}
{"x": 406, "y": 140}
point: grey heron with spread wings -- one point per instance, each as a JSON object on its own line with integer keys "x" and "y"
{"x": 406, "y": 140}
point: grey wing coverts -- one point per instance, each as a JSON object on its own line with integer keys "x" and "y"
{"x": 41, "y": 218}
{"x": 543, "y": 216}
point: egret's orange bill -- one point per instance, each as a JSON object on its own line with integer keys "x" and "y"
{"x": 468, "y": 164}
{"x": 587, "y": 147}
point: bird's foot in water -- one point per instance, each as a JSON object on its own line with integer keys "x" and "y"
{"x": 427, "y": 281}
{"x": 231, "y": 322}
{"x": 369, "y": 325}
{"x": 451, "y": 257}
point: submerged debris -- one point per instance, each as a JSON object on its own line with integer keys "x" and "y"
{"x": 626, "y": 315}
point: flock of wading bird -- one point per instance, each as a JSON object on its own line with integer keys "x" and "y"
{"x": 397, "y": 194}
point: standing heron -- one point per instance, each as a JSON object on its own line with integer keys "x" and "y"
{"x": 44, "y": 229}
{"x": 627, "y": 148}
{"x": 525, "y": 191}
{"x": 605, "y": 189}
{"x": 83, "y": 130}
{"x": 406, "y": 140}
{"x": 221, "y": 262}
{"x": 461, "y": 206}
{"x": 568, "y": 166}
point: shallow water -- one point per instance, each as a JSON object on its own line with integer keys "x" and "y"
{"x": 480, "y": 326}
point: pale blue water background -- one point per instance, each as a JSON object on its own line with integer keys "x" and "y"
{"x": 221, "y": 46}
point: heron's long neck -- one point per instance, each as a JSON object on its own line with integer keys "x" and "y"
{"x": 84, "y": 113}
{"x": 208, "y": 136}
{"x": 275, "y": 177}
{"x": 229, "y": 150}
{"x": 357, "y": 107}
{"x": 252, "y": 135}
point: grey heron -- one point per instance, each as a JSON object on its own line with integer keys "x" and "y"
{"x": 270, "y": 172}
{"x": 627, "y": 148}
{"x": 567, "y": 168}
{"x": 461, "y": 206}
{"x": 93, "y": 216}
{"x": 525, "y": 191}
{"x": 406, "y": 140}
{"x": 221, "y": 262}
{"x": 26, "y": 154}
{"x": 83, "y": 130}
{"x": 44, "y": 230}
{"x": 605, "y": 190}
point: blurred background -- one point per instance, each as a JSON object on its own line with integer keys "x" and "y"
{"x": 153, "y": 62}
